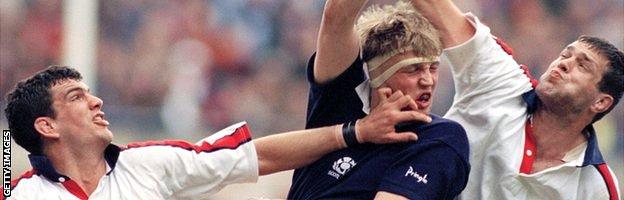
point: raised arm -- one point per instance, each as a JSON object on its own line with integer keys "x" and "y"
{"x": 337, "y": 43}
{"x": 453, "y": 27}
{"x": 298, "y": 148}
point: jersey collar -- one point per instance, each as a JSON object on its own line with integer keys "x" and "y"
{"x": 592, "y": 153}
{"x": 43, "y": 165}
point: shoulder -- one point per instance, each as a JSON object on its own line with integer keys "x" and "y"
{"x": 28, "y": 183}
{"x": 600, "y": 173}
{"x": 446, "y": 132}
{"x": 446, "y": 129}
{"x": 433, "y": 166}
{"x": 352, "y": 76}
{"x": 440, "y": 122}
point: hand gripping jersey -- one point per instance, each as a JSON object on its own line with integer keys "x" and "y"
{"x": 153, "y": 170}
{"x": 494, "y": 100}
{"x": 434, "y": 167}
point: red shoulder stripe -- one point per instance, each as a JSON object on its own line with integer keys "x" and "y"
{"x": 509, "y": 51}
{"x": 504, "y": 45}
{"x": 240, "y": 136}
{"x": 533, "y": 81}
{"x": 606, "y": 175}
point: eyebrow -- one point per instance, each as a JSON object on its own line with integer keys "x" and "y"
{"x": 583, "y": 55}
{"x": 75, "y": 88}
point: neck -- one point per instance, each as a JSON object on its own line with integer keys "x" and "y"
{"x": 556, "y": 134}
{"x": 85, "y": 166}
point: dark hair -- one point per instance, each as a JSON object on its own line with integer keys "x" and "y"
{"x": 31, "y": 99}
{"x": 612, "y": 81}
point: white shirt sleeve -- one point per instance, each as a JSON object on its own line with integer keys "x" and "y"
{"x": 482, "y": 69}
{"x": 181, "y": 170}
{"x": 489, "y": 85}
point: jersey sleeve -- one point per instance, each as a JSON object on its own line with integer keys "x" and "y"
{"x": 432, "y": 170}
{"x": 336, "y": 101}
{"x": 188, "y": 171}
{"x": 483, "y": 68}
{"x": 489, "y": 85}
{"x": 347, "y": 80}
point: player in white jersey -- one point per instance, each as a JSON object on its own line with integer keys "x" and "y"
{"x": 529, "y": 140}
{"x": 54, "y": 117}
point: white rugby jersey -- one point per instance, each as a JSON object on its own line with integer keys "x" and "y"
{"x": 153, "y": 170}
{"x": 493, "y": 101}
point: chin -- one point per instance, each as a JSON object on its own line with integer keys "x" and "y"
{"x": 108, "y": 136}
{"x": 544, "y": 89}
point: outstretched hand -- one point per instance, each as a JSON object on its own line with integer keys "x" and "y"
{"x": 379, "y": 126}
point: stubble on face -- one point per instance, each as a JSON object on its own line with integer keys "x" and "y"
{"x": 572, "y": 90}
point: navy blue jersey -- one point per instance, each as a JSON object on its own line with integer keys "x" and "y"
{"x": 336, "y": 101}
{"x": 434, "y": 167}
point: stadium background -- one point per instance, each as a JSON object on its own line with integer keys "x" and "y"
{"x": 182, "y": 69}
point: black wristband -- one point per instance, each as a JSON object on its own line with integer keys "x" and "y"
{"x": 348, "y": 133}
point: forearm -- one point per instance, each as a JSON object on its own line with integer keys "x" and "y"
{"x": 337, "y": 43}
{"x": 342, "y": 12}
{"x": 296, "y": 149}
{"x": 453, "y": 27}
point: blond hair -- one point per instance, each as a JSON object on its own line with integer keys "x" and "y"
{"x": 388, "y": 29}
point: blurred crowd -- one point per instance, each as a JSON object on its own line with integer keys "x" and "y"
{"x": 180, "y": 66}
{"x": 184, "y": 68}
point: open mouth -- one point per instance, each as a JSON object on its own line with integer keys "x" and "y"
{"x": 100, "y": 120}
{"x": 423, "y": 100}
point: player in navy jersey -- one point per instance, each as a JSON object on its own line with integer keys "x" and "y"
{"x": 399, "y": 50}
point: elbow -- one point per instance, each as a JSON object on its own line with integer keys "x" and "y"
{"x": 262, "y": 169}
{"x": 266, "y": 166}
{"x": 263, "y": 166}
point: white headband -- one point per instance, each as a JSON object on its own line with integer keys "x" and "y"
{"x": 380, "y": 60}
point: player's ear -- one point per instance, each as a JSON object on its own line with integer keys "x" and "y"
{"x": 602, "y": 103}
{"x": 46, "y": 127}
